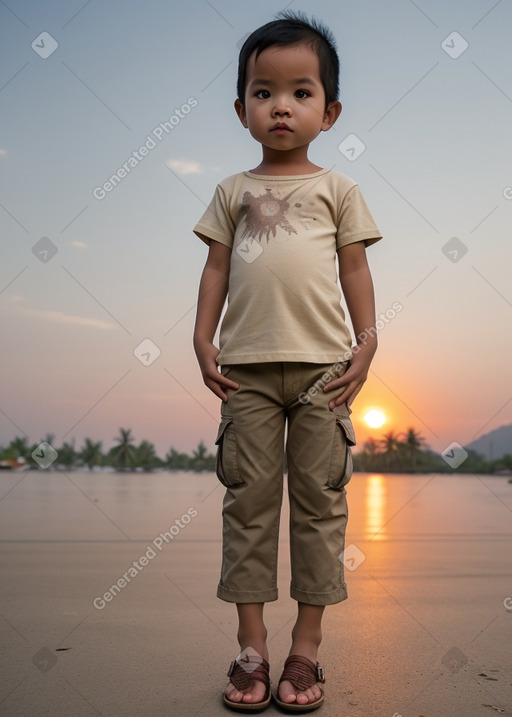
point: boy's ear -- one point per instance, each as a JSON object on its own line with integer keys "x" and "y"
{"x": 240, "y": 110}
{"x": 332, "y": 113}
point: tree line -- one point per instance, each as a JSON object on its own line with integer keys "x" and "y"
{"x": 393, "y": 453}
{"x": 407, "y": 453}
{"x": 125, "y": 455}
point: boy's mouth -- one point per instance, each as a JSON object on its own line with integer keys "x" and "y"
{"x": 280, "y": 128}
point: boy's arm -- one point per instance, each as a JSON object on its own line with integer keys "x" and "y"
{"x": 213, "y": 290}
{"x": 357, "y": 285}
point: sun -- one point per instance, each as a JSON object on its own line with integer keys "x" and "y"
{"x": 375, "y": 418}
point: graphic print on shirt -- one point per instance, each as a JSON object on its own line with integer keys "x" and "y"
{"x": 263, "y": 214}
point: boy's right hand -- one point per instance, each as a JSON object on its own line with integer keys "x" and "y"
{"x": 207, "y": 357}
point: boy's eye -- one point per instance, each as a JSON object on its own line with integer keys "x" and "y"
{"x": 263, "y": 94}
{"x": 301, "y": 94}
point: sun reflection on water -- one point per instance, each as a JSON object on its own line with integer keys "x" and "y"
{"x": 375, "y": 499}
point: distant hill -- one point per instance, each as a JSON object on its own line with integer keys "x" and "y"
{"x": 495, "y": 444}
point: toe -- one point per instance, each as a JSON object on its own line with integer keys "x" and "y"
{"x": 287, "y": 692}
{"x": 305, "y": 697}
{"x": 232, "y": 694}
{"x": 302, "y": 698}
{"x": 314, "y": 693}
{"x": 256, "y": 693}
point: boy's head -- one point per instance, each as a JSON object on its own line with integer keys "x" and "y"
{"x": 292, "y": 29}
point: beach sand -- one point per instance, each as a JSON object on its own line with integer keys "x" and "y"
{"x": 425, "y": 630}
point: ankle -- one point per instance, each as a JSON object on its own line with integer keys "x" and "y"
{"x": 306, "y": 643}
{"x": 254, "y": 639}
{"x": 310, "y": 636}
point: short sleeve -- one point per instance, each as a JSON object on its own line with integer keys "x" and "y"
{"x": 355, "y": 222}
{"x": 217, "y": 222}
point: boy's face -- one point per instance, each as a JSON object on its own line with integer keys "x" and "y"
{"x": 285, "y": 99}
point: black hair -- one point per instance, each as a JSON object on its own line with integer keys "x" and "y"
{"x": 292, "y": 28}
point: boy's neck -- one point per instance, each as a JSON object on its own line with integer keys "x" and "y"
{"x": 285, "y": 164}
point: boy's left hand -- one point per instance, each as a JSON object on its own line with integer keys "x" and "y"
{"x": 352, "y": 380}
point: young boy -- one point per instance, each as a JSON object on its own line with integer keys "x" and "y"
{"x": 285, "y": 357}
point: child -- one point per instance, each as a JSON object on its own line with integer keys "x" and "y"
{"x": 285, "y": 357}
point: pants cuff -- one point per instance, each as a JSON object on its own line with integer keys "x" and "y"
{"x": 329, "y": 598}
{"x": 243, "y": 596}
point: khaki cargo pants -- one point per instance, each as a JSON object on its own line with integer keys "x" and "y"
{"x": 250, "y": 451}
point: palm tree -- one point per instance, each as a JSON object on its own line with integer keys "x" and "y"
{"x": 370, "y": 451}
{"x": 67, "y": 455}
{"x": 177, "y": 461}
{"x": 18, "y": 448}
{"x": 391, "y": 444}
{"x": 146, "y": 456}
{"x": 124, "y": 454}
{"x": 201, "y": 460}
{"x": 91, "y": 453}
{"x": 414, "y": 442}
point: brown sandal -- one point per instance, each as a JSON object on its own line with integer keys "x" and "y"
{"x": 241, "y": 673}
{"x": 303, "y": 674}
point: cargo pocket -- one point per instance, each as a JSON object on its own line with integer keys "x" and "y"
{"x": 226, "y": 462}
{"x": 342, "y": 466}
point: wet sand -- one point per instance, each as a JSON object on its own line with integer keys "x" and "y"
{"x": 425, "y": 630}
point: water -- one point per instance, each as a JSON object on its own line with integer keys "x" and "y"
{"x": 56, "y": 506}
{"x": 427, "y": 613}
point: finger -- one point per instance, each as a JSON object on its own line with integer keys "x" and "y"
{"x": 219, "y": 385}
{"x": 338, "y": 382}
{"x": 337, "y": 401}
{"x": 215, "y": 388}
{"x": 212, "y": 372}
{"x": 216, "y": 377}
{"x": 343, "y": 397}
{"x": 229, "y": 383}
{"x": 348, "y": 396}
{"x": 332, "y": 385}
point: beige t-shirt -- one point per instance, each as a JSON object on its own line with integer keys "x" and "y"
{"x": 284, "y": 231}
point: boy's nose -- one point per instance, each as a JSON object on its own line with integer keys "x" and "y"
{"x": 281, "y": 112}
{"x": 281, "y": 109}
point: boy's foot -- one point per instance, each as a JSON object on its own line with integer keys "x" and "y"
{"x": 250, "y": 680}
{"x": 254, "y": 693}
{"x": 299, "y": 684}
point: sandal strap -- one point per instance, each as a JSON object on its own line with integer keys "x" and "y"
{"x": 241, "y": 676}
{"x": 301, "y": 672}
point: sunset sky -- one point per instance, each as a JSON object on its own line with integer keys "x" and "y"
{"x": 88, "y": 274}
